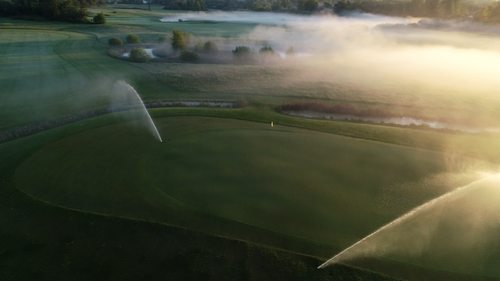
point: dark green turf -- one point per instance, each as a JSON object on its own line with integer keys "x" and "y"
{"x": 235, "y": 185}
{"x": 293, "y": 182}
{"x": 195, "y": 141}
{"x": 43, "y": 242}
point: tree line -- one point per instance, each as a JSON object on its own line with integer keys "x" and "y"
{"x": 444, "y": 9}
{"x": 63, "y": 10}
{"x": 254, "y": 5}
{"x": 76, "y": 10}
{"x": 481, "y": 11}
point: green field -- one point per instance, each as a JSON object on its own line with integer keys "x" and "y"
{"x": 233, "y": 170}
{"x": 72, "y": 71}
{"x": 225, "y": 196}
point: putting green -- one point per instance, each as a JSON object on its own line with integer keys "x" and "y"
{"x": 315, "y": 186}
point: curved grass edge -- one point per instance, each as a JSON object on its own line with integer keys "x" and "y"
{"x": 106, "y": 121}
{"x": 6, "y": 172}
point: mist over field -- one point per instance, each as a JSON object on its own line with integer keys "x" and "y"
{"x": 251, "y": 145}
{"x": 422, "y": 62}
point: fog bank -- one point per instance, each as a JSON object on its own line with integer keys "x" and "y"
{"x": 403, "y": 61}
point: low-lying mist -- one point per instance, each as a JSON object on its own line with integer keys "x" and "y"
{"x": 412, "y": 62}
{"x": 428, "y": 69}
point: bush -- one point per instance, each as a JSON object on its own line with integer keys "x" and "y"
{"x": 99, "y": 19}
{"x": 241, "y": 51}
{"x": 139, "y": 55}
{"x": 133, "y": 39}
{"x": 209, "y": 47}
{"x": 266, "y": 50}
{"x": 115, "y": 42}
{"x": 189, "y": 56}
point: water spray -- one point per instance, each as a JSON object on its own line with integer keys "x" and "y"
{"x": 343, "y": 255}
{"x": 136, "y": 96}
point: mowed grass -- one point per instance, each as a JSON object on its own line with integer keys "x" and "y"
{"x": 295, "y": 182}
{"x": 281, "y": 187}
{"x": 140, "y": 17}
{"x": 298, "y": 186}
{"x": 30, "y": 71}
{"x": 45, "y": 74}
{"x": 43, "y": 242}
{"x": 49, "y": 70}
{"x": 89, "y": 168}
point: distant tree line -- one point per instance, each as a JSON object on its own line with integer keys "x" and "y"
{"x": 417, "y": 8}
{"x": 63, "y": 10}
{"x": 489, "y": 13}
{"x": 190, "y": 5}
{"x": 254, "y": 5}
{"x": 445, "y": 9}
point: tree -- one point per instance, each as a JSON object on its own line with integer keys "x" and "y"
{"x": 262, "y": 5}
{"x": 179, "y": 40}
{"x": 191, "y": 5}
{"x": 489, "y": 14}
{"x": 132, "y": 39}
{"x": 342, "y": 6}
{"x": 308, "y": 5}
{"x": 6, "y": 7}
{"x": 99, "y": 19}
{"x": 50, "y": 9}
{"x": 115, "y": 42}
{"x": 61, "y": 10}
